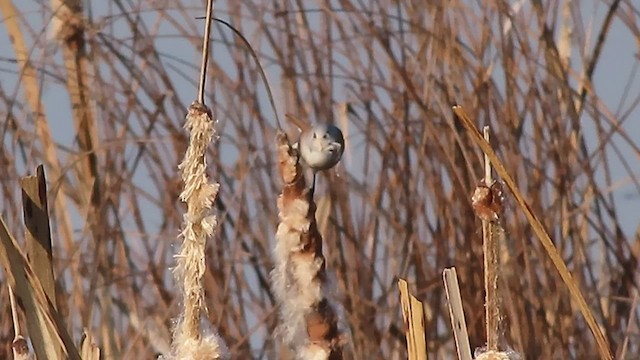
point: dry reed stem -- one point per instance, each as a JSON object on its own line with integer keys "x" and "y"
{"x": 88, "y": 349}
{"x": 37, "y": 234}
{"x": 456, "y": 312}
{"x": 38, "y": 237}
{"x": 540, "y": 231}
{"x": 205, "y": 52}
{"x": 189, "y": 340}
{"x": 139, "y": 97}
{"x": 309, "y": 323}
{"x": 491, "y": 251}
{"x": 630, "y": 325}
{"x": 32, "y": 90}
{"x": 413, "y": 315}
{"x": 69, "y": 28}
{"x": 14, "y": 312}
{"x": 40, "y": 314}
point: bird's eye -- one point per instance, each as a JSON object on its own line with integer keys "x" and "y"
{"x": 314, "y": 135}
{"x": 325, "y": 136}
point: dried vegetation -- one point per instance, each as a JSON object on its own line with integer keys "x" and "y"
{"x": 100, "y": 101}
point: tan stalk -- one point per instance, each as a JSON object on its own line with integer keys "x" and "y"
{"x": 88, "y": 349}
{"x": 456, "y": 312}
{"x": 68, "y": 27}
{"x": 491, "y": 250}
{"x": 69, "y": 24}
{"x": 38, "y": 237}
{"x": 413, "y": 315}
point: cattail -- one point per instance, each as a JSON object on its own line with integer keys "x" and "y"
{"x": 308, "y": 319}
{"x": 190, "y": 340}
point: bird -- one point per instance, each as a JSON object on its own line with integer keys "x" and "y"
{"x": 321, "y": 147}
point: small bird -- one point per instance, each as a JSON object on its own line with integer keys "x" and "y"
{"x": 321, "y": 147}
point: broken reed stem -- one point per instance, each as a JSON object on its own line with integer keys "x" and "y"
{"x": 456, "y": 312}
{"x": 413, "y": 315}
{"x": 38, "y": 231}
{"x": 308, "y": 320}
{"x": 491, "y": 252}
{"x": 88, "y": 349}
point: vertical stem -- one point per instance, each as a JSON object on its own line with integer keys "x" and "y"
{"x": 487, "y": 163}
{"x": 490, "y": 250}
{"x": 205, "y": 52}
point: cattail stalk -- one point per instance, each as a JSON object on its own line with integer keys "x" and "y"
{"x": 491, "y": 252}
{"x": 309, "y": 322}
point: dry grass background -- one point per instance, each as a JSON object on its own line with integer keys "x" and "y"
{"x": 400, "y": 205}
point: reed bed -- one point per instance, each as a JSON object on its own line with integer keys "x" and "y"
{"x": 97, "y": 94}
